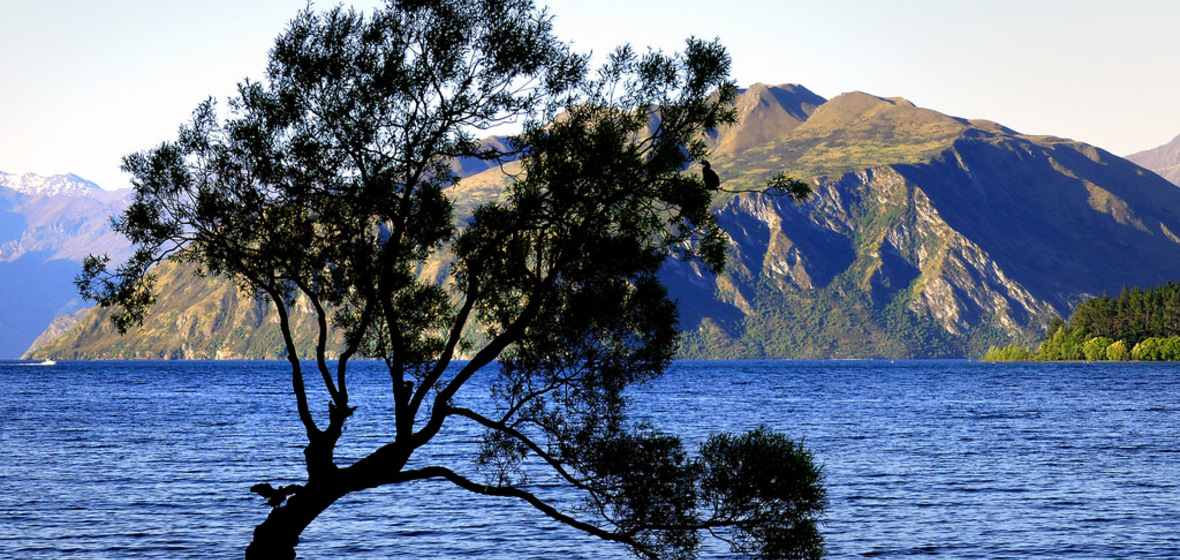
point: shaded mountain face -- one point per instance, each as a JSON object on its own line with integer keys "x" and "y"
{"x": 468, "y": 166}
{"x": 1164, "y": 160}
{"x": 927, "y": 236}
{"x": 47, "y": 225}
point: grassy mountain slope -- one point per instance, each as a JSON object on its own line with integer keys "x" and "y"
{"x": 928, "y": 236}
{"x": 195, "y": 318}
{"x": 765, "y": 113}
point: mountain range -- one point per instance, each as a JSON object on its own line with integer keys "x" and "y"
{"x": 927, "y": 236}
{"x": 47, "y": 225}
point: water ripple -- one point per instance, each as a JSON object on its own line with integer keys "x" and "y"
{"x": 950, "y": 459}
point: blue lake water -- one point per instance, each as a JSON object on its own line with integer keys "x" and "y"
{"x": 954, "y": 459}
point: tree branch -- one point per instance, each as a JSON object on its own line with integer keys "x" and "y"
{"x": 449, "y": 351}
{"x": 293, "y": 357}
{"x": 485, "y": 356}
{"x": 532, "y": 445}
{"x": 531, "y": 499}
{"x": 321, "y": 347}
{"x": 351, "y": 348}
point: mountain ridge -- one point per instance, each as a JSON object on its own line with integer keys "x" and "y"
{"x": 1164, "y": 160}
{"x": 67, "y": 184}
{"x": 928, "y": 235}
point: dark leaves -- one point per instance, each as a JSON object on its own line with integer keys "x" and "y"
{"x": 765, "y": 492}
{"x": 782, "y": 185}
{"x": 648, "y": 489}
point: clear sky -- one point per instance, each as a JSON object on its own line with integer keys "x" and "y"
{"x": 83, "y": 82}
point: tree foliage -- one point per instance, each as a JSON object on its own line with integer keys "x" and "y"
{"x": 1009, "y": 353}
{"x": 766, "y": 487}
{"x": 326, "y": 187}
{"x": 1134, "y": 315}
{"x": 1094, "y": 349}
{"x": 1118, "y": 351}
{"x": 1138, "y": 324}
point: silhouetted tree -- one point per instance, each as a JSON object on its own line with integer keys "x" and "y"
{"x": 326, "y": 185}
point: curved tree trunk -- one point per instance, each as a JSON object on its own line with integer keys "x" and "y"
{"x": 277, "y": 536}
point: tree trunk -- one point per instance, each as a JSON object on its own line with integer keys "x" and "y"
{"x": 277, "y": 536}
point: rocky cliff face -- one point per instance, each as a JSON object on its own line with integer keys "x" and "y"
{"x": 927, "y": 236}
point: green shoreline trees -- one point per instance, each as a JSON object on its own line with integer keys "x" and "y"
{"x": 1140, "y": 325}
{"x": 325, "y": 189}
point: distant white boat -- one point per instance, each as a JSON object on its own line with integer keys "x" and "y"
{"x": 47, "y": 363}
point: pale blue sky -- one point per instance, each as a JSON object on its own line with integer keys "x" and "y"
{"x": 83, "y": 82}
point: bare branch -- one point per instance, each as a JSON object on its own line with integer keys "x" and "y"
{"x": 517, "y": 435}
{"x": 293, "y": 357}
{"x": 531, "y": 499}
{"x": 322, "y": 344}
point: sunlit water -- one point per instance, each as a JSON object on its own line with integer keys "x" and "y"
{"x": 953, "y": 459}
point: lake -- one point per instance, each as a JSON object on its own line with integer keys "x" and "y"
{"x": 942, "y": 458}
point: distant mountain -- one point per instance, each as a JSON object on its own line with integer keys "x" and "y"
{"x": 59, "y": 327}
{"x": 928, "y": 236}
{"x": 47, "y": 225}
{"x": 1164, "y": 160}
{"x": 55, "y": 185}
{"x": 195, "y": 318}
{"x": 468, "y": 166}
{"x": 765, "y": 114}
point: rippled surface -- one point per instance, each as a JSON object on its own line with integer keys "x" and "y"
{"x": 957, "y": 459}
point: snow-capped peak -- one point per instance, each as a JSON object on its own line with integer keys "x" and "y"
{"x": 54, "y": 185}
